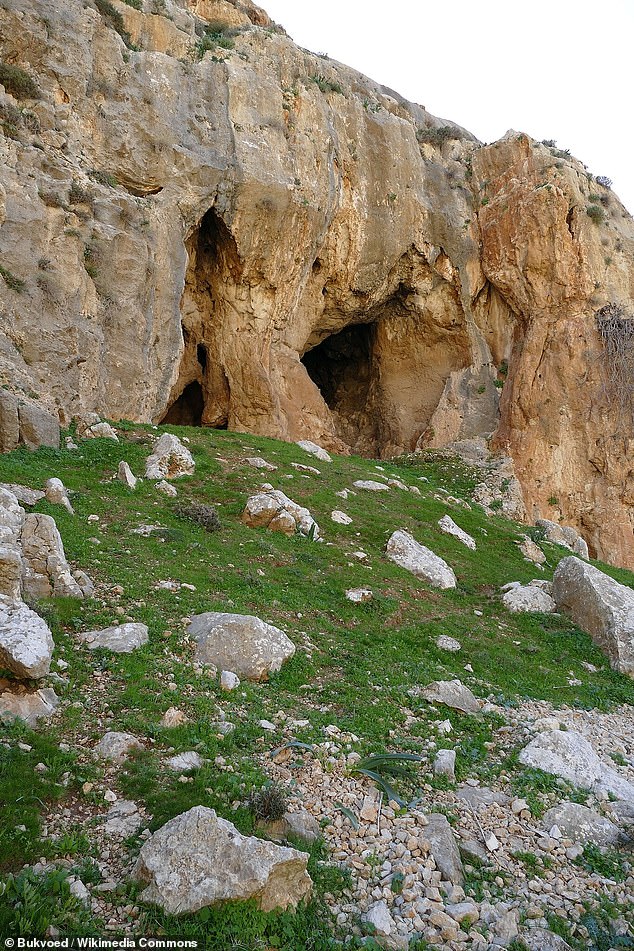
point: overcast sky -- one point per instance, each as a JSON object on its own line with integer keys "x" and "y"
{"x": 556, "y": 69}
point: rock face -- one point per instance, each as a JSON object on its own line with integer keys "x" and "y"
{"x": 197, "y": 859}
{"x": 26, "y": 642}
{"x": 272, "y": 509}
{"x": 422, "y": 562}
{"x": 163, "y": 203}
{"x": 23, "y": 424}
{"x": 600, "y": 606}
{"x": 245, "y": 645}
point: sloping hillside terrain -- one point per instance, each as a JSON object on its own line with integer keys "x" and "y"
{"x": 419, "y": 852}
{"x": 201, "y": 222}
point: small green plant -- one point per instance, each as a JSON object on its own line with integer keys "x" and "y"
{"x": 113, "y": 18}
{"x": 90, "y": 263}
{"x": 397, "y": 883}
{"x": 605, "y": 862}
{"x": 374, "y": 766}
{"x": 103, "y": 178}
{"x": 553, "y": 500}
{"x": 203, "y": 515}
{"x": 326, "y": 85}
{"x": 135, "y": 4}
{"x": 595, "y": 213}
{"x": 268, "y": 803}
{"x": 216, "y": 36}
{"x": 158, "y": 8}
{"x": 13, "y": 283}
{"x": 78, "y": 195}
{"x": 17, "y": 82}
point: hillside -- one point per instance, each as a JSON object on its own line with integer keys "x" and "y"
{"x": 201, "y": 222}
{"x": 354, "y": 688}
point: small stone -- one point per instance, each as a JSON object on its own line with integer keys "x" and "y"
{"x": 340, "y": 517}
{"x": 228, "y": 680}
{"x": 124, "y": 474}
{"x": 446, "y": 643}
{"x": 359, "y": 595}
{"x": 445, "y": 764}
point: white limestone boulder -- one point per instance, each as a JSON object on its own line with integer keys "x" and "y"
{"x": 450, "y": 693}
{"x": 198, "y": 860}
{"x": 56, "y": 493}
{"x": 120, "y": 638}
{"x": 314, "y": 450}
{"x": 406, "y": 552}
{"x": 125, "y": 475}
{"x": 116, "y": 747}
{"x": 600, "y": 606}
{"x": 449, "y": 527}
{"x": 563, "y": 535}
{"x": 274, "y": 510}
{"x": 26, "y": 642}
{"x": 369, "y": 485}
{"x": 243, "y": 644}
{"x": 169, "y": 460}
{"x": 581, "y": 824}
{"x": 526, "y": 598}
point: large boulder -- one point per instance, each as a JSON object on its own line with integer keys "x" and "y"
{"x": 451, "y": 693}
{"x": 46, "y": 571}
{"x": 170, "y": 459}
{"x": 28, "y": 705}
{"x": 121, "y": 638}
{"x": 568, "y": 754}
{"x": 449, "y": 527}
{"x": 528, "y": 597}
{"x": 444, "y": 848}
{"x": 26, "y": 643}
{"x": 406, "y": 552}
{"x": 197, "y": 859}
{"x": 600, "y": 606}
{"x": 37, "y": 427}
{"x": 563, "y": 535}
{"x": 272, "y": 509}
{"x": 581, "y": 824}
{"x": 244, "y": 644}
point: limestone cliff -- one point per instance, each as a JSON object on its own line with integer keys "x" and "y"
{"x": 201, "y": 222}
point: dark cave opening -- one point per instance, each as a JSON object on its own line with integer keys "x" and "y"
{"x": 187, "y": 410}
{"x": 340, "y": 366}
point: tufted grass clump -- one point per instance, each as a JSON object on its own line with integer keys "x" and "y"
{"x": 326, "y": 85}
{"x": 268, "y": 803}
{"x": 17, "y": 82}
{"x": 216, "y": 36}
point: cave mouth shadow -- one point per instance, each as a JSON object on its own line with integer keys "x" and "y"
{"x": 187, "y": 410}
{"x": 341, "y": 366}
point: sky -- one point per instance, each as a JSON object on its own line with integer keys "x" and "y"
{"x": 555, "y": 69}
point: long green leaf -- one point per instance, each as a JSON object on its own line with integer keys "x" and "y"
{"x": 348, "y": 814}
{"x": 383, "y": 784}
{"x": 295, "y": 744}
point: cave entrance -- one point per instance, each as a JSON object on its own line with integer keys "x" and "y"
{"x": 340, "y": 367}
{"x": 187, "y": 410}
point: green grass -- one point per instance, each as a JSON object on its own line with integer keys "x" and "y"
{"x": 363, "y": 662}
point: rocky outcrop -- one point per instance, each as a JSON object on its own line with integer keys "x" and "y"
{"x": 274, "y": 510}
{"x": 197, "y": 860}
{"x": 121, "y": 638}
{"x": 600, "y": 606}
{"x": 324, "y": 261}
{"x": 239, "y": 643}
{"x": 170, "y": 459}
{"x": 23, "y": 424}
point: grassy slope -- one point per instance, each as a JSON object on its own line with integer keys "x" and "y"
{"x": 357, "y": 663}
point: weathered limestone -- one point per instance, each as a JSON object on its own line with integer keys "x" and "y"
{"x": 444, "y": 848}
{"x": 245, "y": 645}
{"x": 447, "y": 525}
{"x": 314, "y": 450}
{"x": 406, "y": 552}
{"x": 451, "y": 693}
{"x": 121, "y": 638}
{"x": 56, "y": 494}
{"x": 581, "y": 824}
{"x": 197, "y": 860}
{"x": 600, "y": 606}
{"x": 26, "y": 642}
{"x": 29, "y": 706}
{"x": 528, "y": 597}
{"x": 46, "y": 571}
{"x": 170, "y": 459}
{"x": 563, "y": 535}
{"x": 25, "y": 424}
{"x": 274, "y": 510}
{"x": 125, "y": 475}
{"x": 116, "y": 747}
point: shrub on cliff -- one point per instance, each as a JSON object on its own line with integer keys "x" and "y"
{"x": 17, "y": 82}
